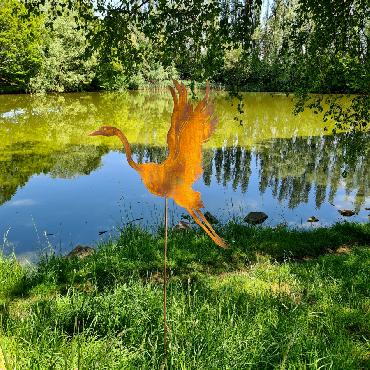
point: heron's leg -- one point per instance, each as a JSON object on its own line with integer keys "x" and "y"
{"x": 215, "y": 238}
{"x": 199, "y": 212}
{"x": 221, "y": 242}
{"x": 199, "y": 222}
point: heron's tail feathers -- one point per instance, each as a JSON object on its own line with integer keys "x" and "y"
{"x": 200, "y": 219}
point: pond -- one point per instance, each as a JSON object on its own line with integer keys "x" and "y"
{"x": 60, "y": 187}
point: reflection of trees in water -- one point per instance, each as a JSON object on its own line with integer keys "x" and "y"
{"x": 145, "y": 154}
{"x": 290, "y": 167}
{"x": 22, "y": 160}
{"x": 231, "y": 164}
{"x": 76, "y": 160}
{"x": 207, "y": 167}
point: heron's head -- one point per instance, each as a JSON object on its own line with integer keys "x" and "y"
{"x": 104, "y": 131}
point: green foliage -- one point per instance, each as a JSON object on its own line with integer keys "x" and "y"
{"x": 113, "y": 73}
{"x": 334, "y": 40}
{"x": 20, "y": 38}
{"x": 297, "y": 45}
{"x": 110, "y": 75}
{"x": 300, "y": 46}
{"x": 12, "y": 275}
{"x": 65, "y": 65}
{"x": 335, "y": 44}
{"x": 351, "y": 117}
{"x": 136, "y": 252}
{"x": 192, "y": 35}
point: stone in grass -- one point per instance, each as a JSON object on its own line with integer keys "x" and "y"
{"x": 255, "y": 218}
{"x": 187, "y": 218}
{"x": 182, "y": 226}
{"x": 312, "y": 219}
{"x": 346, "y": 212}
{"x": 80, "y": 251}
{"x": 211, "y": 219}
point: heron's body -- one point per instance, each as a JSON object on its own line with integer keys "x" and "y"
{"x": 174, "y": 177}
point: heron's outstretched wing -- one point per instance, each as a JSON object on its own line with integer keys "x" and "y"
{"x": 186, "y": 118}
{"x": 190, "y": 127}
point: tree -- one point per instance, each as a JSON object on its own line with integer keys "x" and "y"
{"x": 300, "y": 46}
{"x": 316, "y": 47}
{"x": 333, "y": 41}
{"x": 20, "y": 37}
{"x": 65, "y": 65}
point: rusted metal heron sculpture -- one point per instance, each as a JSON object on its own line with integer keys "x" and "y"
{"x": 174, "y": 177}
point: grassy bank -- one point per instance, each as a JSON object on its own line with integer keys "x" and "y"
{"x": 277, "y": 299}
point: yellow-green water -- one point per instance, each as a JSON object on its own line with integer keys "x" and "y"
{"x": 56, "y": 180}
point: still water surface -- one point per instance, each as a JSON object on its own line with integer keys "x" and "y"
{"x": 60, "y": 187}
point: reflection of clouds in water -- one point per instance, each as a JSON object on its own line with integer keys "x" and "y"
{"x": 343, "y": 200}
{"x": 244, "y": 204}
{"x": 12, "y": 113}
{"x": 23, "y": 203}
{"x": 28, "y": 258}
{"x": 348, "y": 200}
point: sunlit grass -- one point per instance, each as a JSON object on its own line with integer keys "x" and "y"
{"x": 304, "y": 303}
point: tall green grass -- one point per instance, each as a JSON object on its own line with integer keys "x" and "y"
{"x": 252, "y": 307}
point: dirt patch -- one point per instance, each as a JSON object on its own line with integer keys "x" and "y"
{"x": 344, "y": 249}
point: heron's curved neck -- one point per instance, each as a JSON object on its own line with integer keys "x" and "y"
{"x": 127, "y": 147}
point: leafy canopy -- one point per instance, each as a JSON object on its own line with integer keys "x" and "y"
{"x": 300, "y": 46}
{"x": 20, "y": 37}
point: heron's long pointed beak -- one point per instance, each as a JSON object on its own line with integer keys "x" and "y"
{"x": 95, "y": 133}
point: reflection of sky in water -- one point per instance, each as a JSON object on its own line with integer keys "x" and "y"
{"x": 113, "y": 195}
{"x": 12, "y": 114}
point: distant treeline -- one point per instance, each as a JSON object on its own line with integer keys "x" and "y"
{"x": 280, "y": 45}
